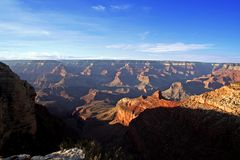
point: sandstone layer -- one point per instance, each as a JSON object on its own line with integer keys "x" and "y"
{"x": 127, "y": 109}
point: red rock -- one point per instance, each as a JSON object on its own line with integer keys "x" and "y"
{"x": 128, "y": 109}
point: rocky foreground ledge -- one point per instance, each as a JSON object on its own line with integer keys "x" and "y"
{"x": 70, "y": 154}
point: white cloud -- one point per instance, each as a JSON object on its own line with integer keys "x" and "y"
{"x": 6, "y": 55}
{"x": 102, "y": 8}
{"x": 163, "y": 47}
{"x": 99, "y": 8}
{"x": 21, "y": 29}
{"x": 144, "y": 35}
{"x": 44, "y": 55}
{"x": 120, "y": 7}
{"x": 120, "y": 46}
{"x": 160, "y": 47}
{"x": 31, "y": 55}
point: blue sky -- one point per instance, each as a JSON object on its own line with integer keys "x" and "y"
{"x": 185, "y": 30}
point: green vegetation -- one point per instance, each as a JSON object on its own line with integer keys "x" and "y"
{"x": 94, "y": 151}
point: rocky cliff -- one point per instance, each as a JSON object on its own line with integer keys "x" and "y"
{"x": 176, "y": 92}
{"x": 127, "y": 109}
{"x": 226, "y": 99}
{"x": 185, "y": 134}
{"x": 26, "y": 127}
{"x": 17, "y": 112}
{"x": 66, "y": 154}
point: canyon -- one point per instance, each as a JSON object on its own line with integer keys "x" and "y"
{"x": 150, "y": 109}
{"x": 62, "y": 86}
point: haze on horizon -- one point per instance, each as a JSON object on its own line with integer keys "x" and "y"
{"x": 187, "y": 30}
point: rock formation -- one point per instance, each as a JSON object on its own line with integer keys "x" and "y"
{"x": 144, "y": 82}
{"x": 90, "y": 96}
{"x": 127, "y": 109}
{"x": 226, "y": 99}
{"x": 220, "y": 76}
{"x": 87, "y": 71}
{"x": 26, "y": 127}
{"x": 175, "y": 92}
{"x": 17, "y": 113}
{"x": 60, "y": 70}
{"x": 96, "y": 109}
{"x": 116, "y": 82}
{"x": 66, "y": 154}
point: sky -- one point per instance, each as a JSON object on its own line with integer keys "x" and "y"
{"x": 182, "y": 30}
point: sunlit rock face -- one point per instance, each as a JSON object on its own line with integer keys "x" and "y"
{"x": 128, "y": 109}
{"x": 17, "y": 113}
{"x": 226, "y": 99}
{"x": 116, "y": 82}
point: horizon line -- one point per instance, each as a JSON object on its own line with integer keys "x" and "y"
{"x": 92, "y": 59}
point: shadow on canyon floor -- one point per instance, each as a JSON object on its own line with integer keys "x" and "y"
{"x": 181, "y": 133}
{"x": 163, "y": 133}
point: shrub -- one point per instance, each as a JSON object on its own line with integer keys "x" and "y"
{"x": 94, "y": 151}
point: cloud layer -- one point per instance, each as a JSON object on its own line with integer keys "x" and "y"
{"x": 160, "y": 47}
{"x": 99, "y": 8}
{"x": 121, "y": 7}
